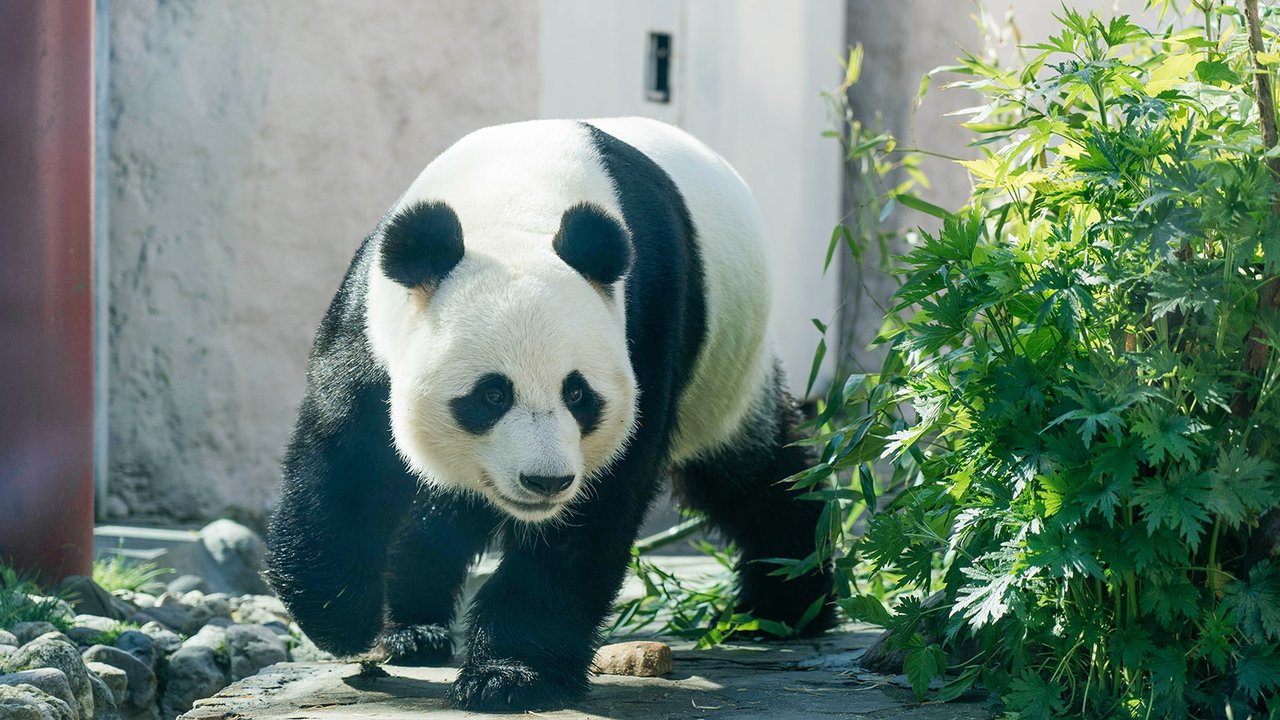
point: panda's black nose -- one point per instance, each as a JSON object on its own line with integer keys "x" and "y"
{"x": 544, "y": 484}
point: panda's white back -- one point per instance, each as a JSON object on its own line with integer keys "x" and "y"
{"x": 735, "y": 361}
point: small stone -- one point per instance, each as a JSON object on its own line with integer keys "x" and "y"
{"x": 55, "y": 650}
{"x": 50, "y": 680}
{"x": 217, "y": 606}
{"x": 641, "y": 659}
{"x": 83, "y": 636}
{"x": 104, "y": 702}
{"x": 27, "y": 702}
{"x": 197, "y": 616}
{"x": 172, "y": 616}
{"x": 6, "y": 651}
{"x": 194, "y": 673}
{"x": 187, "y": 583}
{"x": 253, "y": 647}
{"x": 209, "y": 636}
{"x": 141, "y": 681}
{"x": 221, "y": 622}
{"x": 155, "y": 587}
{"x": 165, "y": 639}
{"x": 97, "y": 622}
{"x": 307, "y": 651}
{"x": 116, "y": 680}
{"x": 89, "y": 598}
{"x": 140, "y": 646}
{"x": 28, "y": 631}
{"x": 259, "y": 609}
{"x": 8, "y": 638}
{"x": 237, "y": 554}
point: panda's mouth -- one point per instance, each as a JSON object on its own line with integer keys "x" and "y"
{"x": 540, "y": 510}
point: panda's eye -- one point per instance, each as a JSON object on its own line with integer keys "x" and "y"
{"x": 495, "y": 397}
{"x": 574, "y": 396}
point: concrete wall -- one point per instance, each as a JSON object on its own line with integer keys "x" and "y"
{"x": 747, "y": 78}
{"x": 251, "y": 146}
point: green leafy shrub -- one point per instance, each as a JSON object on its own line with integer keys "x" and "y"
{"x": 119, "y": 573}
{"x": 1083, "y": 389}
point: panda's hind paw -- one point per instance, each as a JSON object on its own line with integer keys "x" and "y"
{"x": 417, "y": 645}
{"x": 511, "y": 686}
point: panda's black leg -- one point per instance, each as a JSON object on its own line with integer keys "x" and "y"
{"x": 739, "y": 488}
{"x": 534, "y": 626}
{"x": 444, "y": 535}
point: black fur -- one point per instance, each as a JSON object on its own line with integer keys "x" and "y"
{"x": 479, "y": 410}
{"x": 421, "y": 244}
{"x": 588, "y": 407}
{"x": 337, "y": 535}
{"x": 592, "y": 243}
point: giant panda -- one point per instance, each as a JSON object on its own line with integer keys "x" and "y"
{"x": 553, "y": 317}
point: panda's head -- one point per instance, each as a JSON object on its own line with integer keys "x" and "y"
{"x": 508, "y": 360}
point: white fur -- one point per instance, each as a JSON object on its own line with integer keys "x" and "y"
{"x": 512, "y": 306}
{"x": 734, "y": 365}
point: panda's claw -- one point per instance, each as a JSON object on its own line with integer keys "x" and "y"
{"x": 511, "y": 686}
{"x": 417, "y": 645}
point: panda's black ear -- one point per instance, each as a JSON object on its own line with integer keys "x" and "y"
{"x": 421, "y": 244}
{"x": 593, "y": 243}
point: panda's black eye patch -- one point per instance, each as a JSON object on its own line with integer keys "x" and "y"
{"x": 479, "y": 410}
{"x": 583, "y": 402}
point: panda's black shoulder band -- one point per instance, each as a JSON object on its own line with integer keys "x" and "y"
{"x": 421, "y": 244}
{"x": 593, "y": 243}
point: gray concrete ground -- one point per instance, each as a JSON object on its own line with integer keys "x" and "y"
{"x": 812, "y": 679}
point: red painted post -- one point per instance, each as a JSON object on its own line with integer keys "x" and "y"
{"x": 46, "y": 286}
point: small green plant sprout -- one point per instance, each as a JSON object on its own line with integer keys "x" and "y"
{"x": 1082, "y": 387}
{"x": 119, "y": 573}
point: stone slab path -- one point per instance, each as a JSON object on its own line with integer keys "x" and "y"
{"x": 810, "y": 679}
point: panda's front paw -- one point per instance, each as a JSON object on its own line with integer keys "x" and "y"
{"x": 418, "y": 645}
{"x": 512, "y": 686}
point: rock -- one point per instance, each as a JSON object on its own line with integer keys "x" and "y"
{"x": 259, "y": 609}
{"x": 141, "y": 681}
{"x": 83, "y": 636}
{"x": 642, "y": 659}
{"x": 97, "y": 622}
{"x": 187, "y": 583}
{"x": 210, "y": 636}
{"x": 197, "y": 616}
{"x": 140, "y": 646}
{"x": 6, "y": 651}
{"x": 172, "y": 616}
{"x": 8, "y": 638}
{"x": 89, "y": 598}
{"x": 253, "y": 647}
{"x": 236, "y": 552}
{"x": 220, "y": 622}
{"x": 218, "y": 605}
{"x": 194, "y": 673}
{"x": 28, "y": 631}
{"x": 26, "y": 702}
{"x": 307, "y": 651}
{"x": 116, "y": 680}
{"x": 104, "y": 702}
{"x": 55, "y": 650}
{"x": 50, "y": 680}
{"x": 166, "y": 639}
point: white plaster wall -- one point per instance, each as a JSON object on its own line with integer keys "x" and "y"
{"x": 746, "y": 79}
{"x": 252, "y": 145}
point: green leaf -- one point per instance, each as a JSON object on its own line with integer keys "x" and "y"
{"x": 865, "y": 608}
{"x": 1254, "y": 604}
{"x": 922, "y": 664}
{"x": 915, "y": 203}
{"x": 1214, "y": 72}
{"x": 1034, "y": 698}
